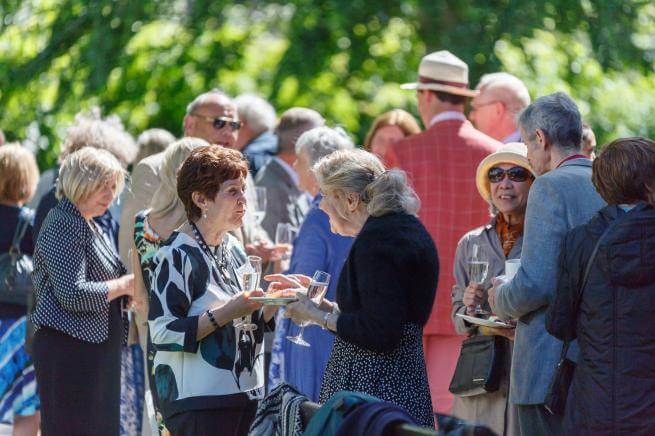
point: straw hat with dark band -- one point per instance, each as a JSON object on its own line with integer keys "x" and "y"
{"x": 513, "y": 153}
{"x": 445, "y": 72}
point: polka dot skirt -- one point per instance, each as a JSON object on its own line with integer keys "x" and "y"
{"x": 399, "y": 377}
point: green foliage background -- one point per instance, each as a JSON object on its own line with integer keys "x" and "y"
{"x": 145, "y": 60}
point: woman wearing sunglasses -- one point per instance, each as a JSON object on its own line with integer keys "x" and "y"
{"x": 503, "y": 179}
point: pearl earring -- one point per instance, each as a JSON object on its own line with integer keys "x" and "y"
{"x": 204, "y": 214}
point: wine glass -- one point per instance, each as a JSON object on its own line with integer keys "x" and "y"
{"x": 284, "y": 238}
{"x": 250, "y": 280}
{"x": 478, "y": 270}
{"x": 259, "y": 206}
{"x": 315, "y": 292}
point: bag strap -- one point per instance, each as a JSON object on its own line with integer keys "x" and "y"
{"x": 583, "y": 283}
{"x": 24, "y": 218}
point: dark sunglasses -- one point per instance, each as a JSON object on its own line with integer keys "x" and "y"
{"x": 221, "y": 122}
{"x": 515, "y": 174}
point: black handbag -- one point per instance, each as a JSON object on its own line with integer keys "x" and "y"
{"x": 16, "y": 267}
{"x": 558, "y": 390}
{"x": 481, "y": 364}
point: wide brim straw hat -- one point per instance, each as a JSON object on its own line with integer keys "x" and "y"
{"x": 445, "y": 72}
{"x": 512, "y": 153}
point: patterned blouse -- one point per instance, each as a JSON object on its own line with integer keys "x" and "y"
{"x": 225, "y": 368}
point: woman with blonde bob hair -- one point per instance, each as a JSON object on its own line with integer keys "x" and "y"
{"x": 152, "y": 227}
{"x": 81, "y": 291}
{"x": 386, "y": 287}
{"x": 17, "y": 183}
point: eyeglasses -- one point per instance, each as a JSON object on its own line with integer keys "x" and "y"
{"x": 220, "y": 122}
{"x": 515, "y": 174}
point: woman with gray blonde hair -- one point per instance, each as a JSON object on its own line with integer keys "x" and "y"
{"x": 81, "y": 291}
{"x": 386, "y": 287}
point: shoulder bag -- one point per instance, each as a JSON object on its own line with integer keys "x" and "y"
{"x": 16, "y": 267}
{"x": 481, "y": 364}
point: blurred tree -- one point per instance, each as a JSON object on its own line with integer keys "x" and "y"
{"x": 146, "y": 60}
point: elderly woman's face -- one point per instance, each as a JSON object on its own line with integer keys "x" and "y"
{"x": 332, "y": 203}
{"x": 99, "y": 201}
{"x": 306, "y": 179}
{"x": 510, "y": 196}
{"x": 228, "y": 206}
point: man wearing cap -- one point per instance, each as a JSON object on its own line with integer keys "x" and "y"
{"x": 495, "y": 109}
{"x": 441, "y": 163}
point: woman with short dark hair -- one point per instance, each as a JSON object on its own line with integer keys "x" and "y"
{"x": 209, "y": 373}
{"x": 613, "y": 388}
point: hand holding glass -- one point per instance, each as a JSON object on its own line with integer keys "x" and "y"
{"x": 250, "y": 282}
{"x": 478, "y": 270}
{"x": 315, "y": 292}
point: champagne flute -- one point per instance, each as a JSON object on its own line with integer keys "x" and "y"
{"x": 259, "y": 206}
{"x": 478, "y": 270}
{"x": 284, "y": 238}
{"x": 315, "y": 292}
{"x": 250, "y": 281}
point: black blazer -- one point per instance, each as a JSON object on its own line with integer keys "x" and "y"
{"x": 389, "y": 280}
{"x": 72, "y": 264}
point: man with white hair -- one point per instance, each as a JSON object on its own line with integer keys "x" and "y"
{"x": 256, "y": 140}
{"x": 495, "y": 109}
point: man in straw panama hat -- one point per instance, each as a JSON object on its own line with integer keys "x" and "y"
{"x": 441, "y": 163}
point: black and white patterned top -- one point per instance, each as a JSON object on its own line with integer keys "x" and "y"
{"x": 72, "y": 263}
{"x": 225, "y": 368}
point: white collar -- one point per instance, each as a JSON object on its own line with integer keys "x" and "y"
{"x": 289, "y": 169}
{"x": 447, "y": 115}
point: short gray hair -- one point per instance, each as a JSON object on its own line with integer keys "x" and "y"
{"x": 257, "y": 112}
{"x": 506, "y": 88}
{"x": 321, "y": 141}
{"x": 383, "y": 191}
{"x": 90, "y": 130}
{"x": 293, "y": 123}
{"x": 558, "y": 117}
{"x": 153, "y": 141}
{"x": 213, "y": 96}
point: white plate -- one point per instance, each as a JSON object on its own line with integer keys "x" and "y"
{"x": 274, "y": 301}
{"x": 485, "y": 322}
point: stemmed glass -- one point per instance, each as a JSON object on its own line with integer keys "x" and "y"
{"x": 259, "y": 207}
{"x": 478, "y": 270}
{"x": 250, "y": 281}
{"x": 315, "y": 292}
{"x": 284, "y": 238}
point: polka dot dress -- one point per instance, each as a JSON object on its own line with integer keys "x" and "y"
{"x": 398, "y": 377}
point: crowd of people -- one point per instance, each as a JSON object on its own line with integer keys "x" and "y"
{"x": 465, "y": 267}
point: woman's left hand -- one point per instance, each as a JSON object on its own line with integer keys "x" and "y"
{"x": 303, "y": 310}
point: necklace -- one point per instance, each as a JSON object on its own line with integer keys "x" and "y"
{"x": 222, "y": 263}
